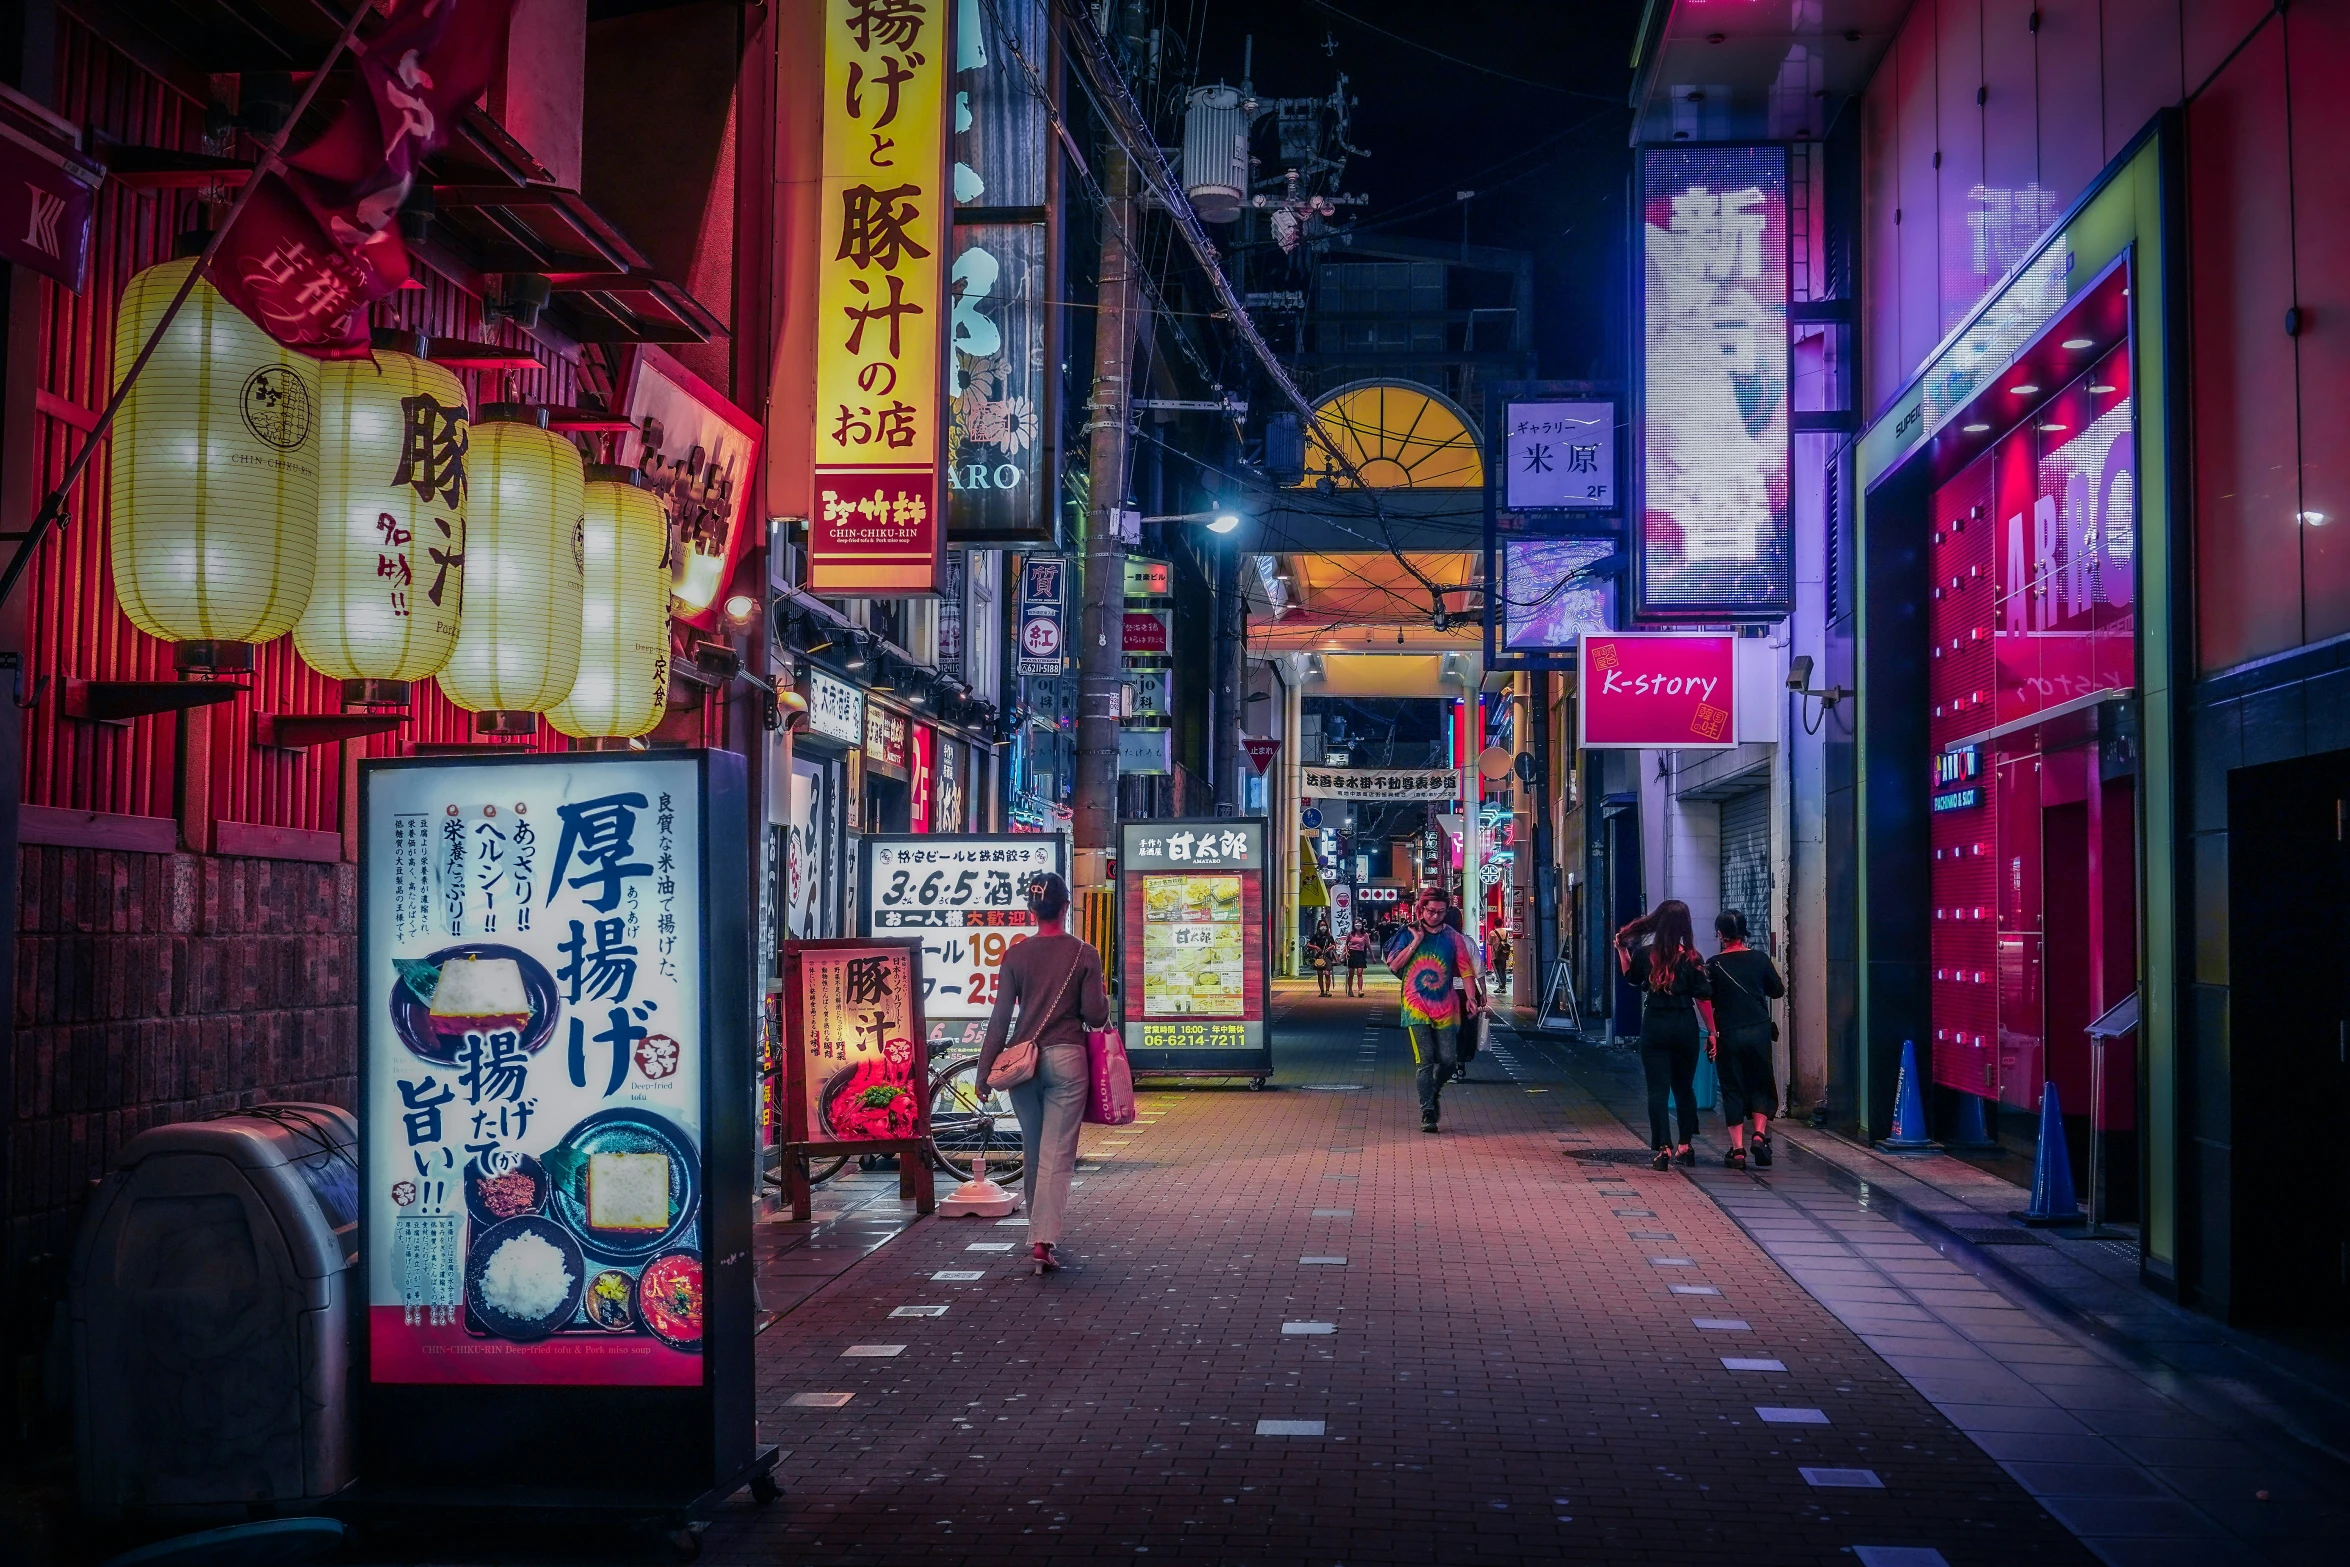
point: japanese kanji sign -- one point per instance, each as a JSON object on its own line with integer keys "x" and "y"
{"x": 1380, "y": 783}
{"x": 858, "y": 1062}
{"x": 1658, "y": 690}
{"x": 533, "y": 1057}
{"x": 874, "y": 524}
{"x": 1561, "y": 456}
{"x": 966, "y": 897}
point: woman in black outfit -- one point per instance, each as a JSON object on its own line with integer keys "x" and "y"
{"x": 1672, "y": 981}
{"x": 1739, "y": 1016}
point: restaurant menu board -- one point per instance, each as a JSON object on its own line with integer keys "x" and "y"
{"x": 532, "y": 1004}
{"x": 860, "y": 1070}
{"x": 966, "y": 898}
{"x": 1193, "y": 952}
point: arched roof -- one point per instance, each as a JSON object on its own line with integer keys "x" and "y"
{"x": 1398, "y": 436}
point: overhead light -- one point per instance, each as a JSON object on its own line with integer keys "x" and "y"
{"x": 1224, "y": 522}
{"x": 2103, "y": 389}
{"x": 2315, "y": 519}
{"x": 2023, "y": 389}
{"x": 741, "y": 608}
{"x": 2053, "y": 426}
{"x": 2079, "y": 342}
{"x": 856, "y": 658}
{"x": 1974, "y": 429}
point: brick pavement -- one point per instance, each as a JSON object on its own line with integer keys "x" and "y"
{"x": 1508, "y": 1377}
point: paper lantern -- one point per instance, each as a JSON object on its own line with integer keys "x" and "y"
{"x": 623, "y": 684}
{"x": 391, "y": 521}
{"x": 517, "y": 649}
{"x": 213, "y": 507}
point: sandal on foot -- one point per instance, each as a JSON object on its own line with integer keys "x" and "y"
{"x": 1663, "y": 1160}
{"x": 1735, "y": 1158}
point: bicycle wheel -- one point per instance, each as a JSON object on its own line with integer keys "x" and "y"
{"x": 822, "y": 1170}
{"x": 963, "y": 1123}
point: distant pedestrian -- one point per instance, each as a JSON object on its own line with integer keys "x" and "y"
{"x": 1672, "y": 980}
{"x": 1739, "y": 1016}
{"x": 1322, "y": 953}
{"x": 1501, "y": 959}
{"x": 1358, "y": 958}
{"x": 1054, "y": 979}
{"x": 1441, "y": 992}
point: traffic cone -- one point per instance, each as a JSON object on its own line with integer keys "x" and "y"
{"x": 978, "y": 1197}
{"x": 2052, "y": 1173}
{"x": 1909, "y": 1108}
{"x": 1971, "y": 1134}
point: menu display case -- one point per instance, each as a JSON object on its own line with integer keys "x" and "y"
{"x": 1193, "y": 947}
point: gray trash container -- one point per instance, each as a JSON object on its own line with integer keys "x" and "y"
{"x": 210, "y": 1300}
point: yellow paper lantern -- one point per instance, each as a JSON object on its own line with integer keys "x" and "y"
{"x": 517, "y": 647}
{"x": 391, "y": 522}
{"x": 623, "y": 684}
{"x": 213, "y": 510}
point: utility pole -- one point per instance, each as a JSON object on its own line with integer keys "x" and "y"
{"x": 1102, "y": 624}
{"x": 1228, "y": 696}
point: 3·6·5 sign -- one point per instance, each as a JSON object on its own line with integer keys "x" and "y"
{"x": 966, "y": 897}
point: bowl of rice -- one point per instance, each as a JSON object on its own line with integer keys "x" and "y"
{"x": 523, "y": 1278}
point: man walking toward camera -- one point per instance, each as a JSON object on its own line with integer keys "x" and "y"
{"x": 1442, "y": 990}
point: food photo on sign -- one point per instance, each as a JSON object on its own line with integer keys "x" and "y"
{"x": 534, "y": 1061}
{"x": 859, "y": 1066}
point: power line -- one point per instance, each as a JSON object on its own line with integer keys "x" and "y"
{"x": 1454, "y": 59}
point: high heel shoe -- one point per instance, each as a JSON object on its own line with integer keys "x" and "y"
{"x": 1042, "y": 1255}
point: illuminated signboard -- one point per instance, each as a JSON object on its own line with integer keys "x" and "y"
{"x": 548, "y": 1011}
{"x": 1552, "y": 594}
{"x": 1660, "y": 690}
{"x": 695, "y": 450}
{"x": 964, "y": 897}
{"x": 1561, "y": 456}
{"x": 1714, "y": 535}
{"x": 1192, "y": 953}
{"x": 1955, "y": 772}
{"x": 836, "y": 709}
{"x": 874, "y": 528}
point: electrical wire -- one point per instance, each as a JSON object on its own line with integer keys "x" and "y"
{"x": 1454, "y": 59}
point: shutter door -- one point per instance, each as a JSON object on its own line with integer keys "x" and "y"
{"x": 1746, "y": 862}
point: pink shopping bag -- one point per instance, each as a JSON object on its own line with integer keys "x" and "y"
{"x": 1109, "y": 1087}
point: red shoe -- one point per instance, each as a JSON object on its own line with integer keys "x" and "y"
{"x": 1042, "y": 1255}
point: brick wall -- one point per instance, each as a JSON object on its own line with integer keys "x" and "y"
{"x": 153, "y": 988}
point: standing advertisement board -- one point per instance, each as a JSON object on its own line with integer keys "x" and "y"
{"x": 856, "y": 1074}
{"x": 1193, "y": 978}
{"x": 965, "y": 898}
{"x": 556, "y": 1101}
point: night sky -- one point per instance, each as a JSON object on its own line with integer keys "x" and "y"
{"x": 1553, "y": 158}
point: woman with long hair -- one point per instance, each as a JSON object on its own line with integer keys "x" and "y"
{"x": 1054, "y": 980}
{"x": 1672, "y": 981}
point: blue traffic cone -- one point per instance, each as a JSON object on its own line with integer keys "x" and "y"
{"x": 1971, "y": 1133}
{"x": 1909, "y": 1108}
{"x": 2052, "y": 1173}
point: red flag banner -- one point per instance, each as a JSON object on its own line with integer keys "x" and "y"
{"x": 320, "y": 242}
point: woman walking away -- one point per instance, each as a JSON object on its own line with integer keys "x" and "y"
{"x": 1672, "y": 980}
{"x": 1358, "y": 958}
{"x": 1055, "y": 981}
{"x": 1322, "y": 952}
{"x": 1739, "y": 1017}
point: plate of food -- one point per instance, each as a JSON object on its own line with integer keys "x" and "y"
{"x": 872, "y": 1100}
{"x": 523, "y": 1278}
{"x": 626, "y": 1182}
{"x": 609, "y": 1301}
{"x": 513, "y": 1185}
{"x": 669, "y": 1296}
{"x": 475, "y": 987}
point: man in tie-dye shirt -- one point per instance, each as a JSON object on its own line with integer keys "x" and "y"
{"x": 1440, "y": 986}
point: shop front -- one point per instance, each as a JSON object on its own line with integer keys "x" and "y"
{"x": 2010, "y": 796}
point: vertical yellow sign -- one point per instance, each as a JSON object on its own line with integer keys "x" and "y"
{"x": 875, "y": 526}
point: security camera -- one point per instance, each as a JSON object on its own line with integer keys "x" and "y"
{"x": 1799, "y": 672}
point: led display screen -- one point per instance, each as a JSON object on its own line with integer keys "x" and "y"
{"x": 1551, "y": 595}
{"x": 1714, "y": 535}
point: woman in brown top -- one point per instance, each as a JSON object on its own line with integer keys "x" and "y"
{"x": 1055, "y": 980}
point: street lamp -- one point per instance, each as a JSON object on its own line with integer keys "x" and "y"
{"x": 1224, "y": 522}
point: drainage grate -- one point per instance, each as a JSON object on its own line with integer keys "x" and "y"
{"x": 1611, "y": 1155}
{"x": 1998, "y": 1237}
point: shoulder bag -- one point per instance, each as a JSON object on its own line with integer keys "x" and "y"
{"x": 1723, "y": 969}
{"x": 1016, "y": 1062}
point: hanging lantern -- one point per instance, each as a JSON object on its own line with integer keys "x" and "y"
{"x": 391, "y": 522}
{"x": 213, "y": 510}
{"x": 517, "y": 647}
{"x": 623, "y": 684}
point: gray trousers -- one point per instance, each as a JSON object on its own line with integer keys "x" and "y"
{"x": 1051, "y": 1108}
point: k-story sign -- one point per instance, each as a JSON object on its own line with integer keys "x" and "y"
{"x": 1660, "y": 690}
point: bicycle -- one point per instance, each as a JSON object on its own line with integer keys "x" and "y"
{"x": 964, "y": 1122}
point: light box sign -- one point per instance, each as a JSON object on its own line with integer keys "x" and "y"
{"x": 696, "y": 451}
{"x": 1561, "y": 456}
{"x": 874, "y": 528}
{"x": 1553, "y": 592}
{"x": 965, "y": 897}
{"x": 551, "y": 1059}
{"x": 836, "y": 709}
{"x": 1380, "y": 783}
{"x": 1664, "y": 691}
{"x": 1715, "y": 536}
{"x": 1043, "y": 613}
{"x": 1192, "y": 950}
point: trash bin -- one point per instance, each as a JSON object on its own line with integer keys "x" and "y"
{"x": 210, "y": 1299}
